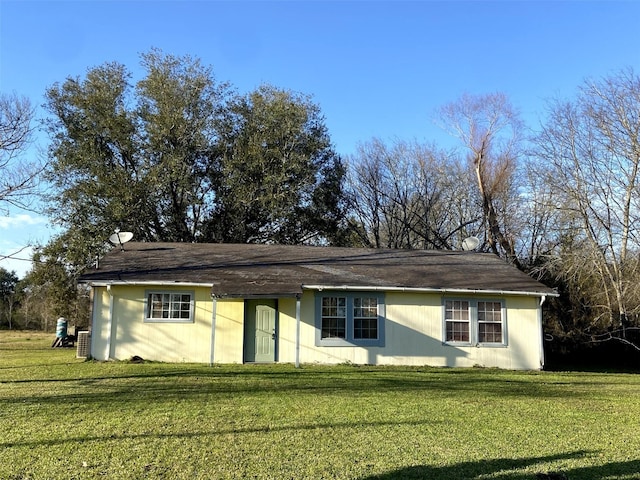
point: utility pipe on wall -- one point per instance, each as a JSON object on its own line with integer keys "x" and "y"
{"x": 297, "y": 331}
{"x": 213, "y": 328}
{"x": 542, "y": 300}
{"x": 110, "y": 327}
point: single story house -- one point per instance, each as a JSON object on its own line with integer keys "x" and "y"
{"x": 231, "y": 303}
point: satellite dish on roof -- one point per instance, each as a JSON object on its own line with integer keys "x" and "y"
{"x": 120, "y": 238}
{"x": 470, "y": 243}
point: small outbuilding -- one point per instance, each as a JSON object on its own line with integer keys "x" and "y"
{"x": 232, "y": 303}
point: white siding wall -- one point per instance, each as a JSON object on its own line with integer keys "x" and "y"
{"x": 229, "y": 331}
{"x": 100, "y": 324}
{"x": 287, "y": 330}
{"x": 413, "y": 333}
{"x": 130, "y": 335}
{"x": 413, "y": 336}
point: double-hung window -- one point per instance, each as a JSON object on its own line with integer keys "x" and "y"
{"x": 474, "y": 322}
{"x": 354, "y": 318}
{"x": 334, "y": 317}
{"x": 490, "y": 322}
{"x": 169, "y": 306}
{"x": 365, "y": 318}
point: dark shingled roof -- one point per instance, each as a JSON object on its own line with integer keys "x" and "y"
{"x": 245, "y": 270}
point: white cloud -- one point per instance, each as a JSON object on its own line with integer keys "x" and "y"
{"x": 21, "y": 220}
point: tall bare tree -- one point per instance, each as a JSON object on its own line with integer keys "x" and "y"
{"x": 18, "y": 176}
{"x": 490, "y": 128}
{"x": 409, "y": 195}
{"x": 590, "y": 152}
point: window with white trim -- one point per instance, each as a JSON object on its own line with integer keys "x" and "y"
{"x": 490, "y": 322}
{"x": 457, "y": 324}
{"x": 334, "y": 317}
{"x": 169, "y": 306}
{"x": 474, "y": 322}
{"x": 365, "y": 317}
{"x": 353, "y": 318}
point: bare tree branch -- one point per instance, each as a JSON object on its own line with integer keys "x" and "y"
{"x": 610, "y": 336}
{"x": 490, "y": 128}
{"x": 18, "y": 177}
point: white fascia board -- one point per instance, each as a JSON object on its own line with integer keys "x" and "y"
{"x": 456, "y": 291}
{"x": 110, "y": 283}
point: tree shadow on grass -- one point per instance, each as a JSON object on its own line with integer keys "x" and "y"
{"x": 214, "y": 433}
{"x": 167, "y": 380}
{"x": 513, "y": 469}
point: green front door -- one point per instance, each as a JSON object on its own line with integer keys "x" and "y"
{"x": 260, "y": 331}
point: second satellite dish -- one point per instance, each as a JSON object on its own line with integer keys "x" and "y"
{"x": 120, "y": 238}
{"x": 470, "y": 243}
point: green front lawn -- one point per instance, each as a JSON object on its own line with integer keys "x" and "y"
{"x": 61, "y": 417}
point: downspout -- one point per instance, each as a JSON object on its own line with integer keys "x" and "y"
{"x": 541, "y": 346}
{"x": 213, "y": 328}
{"x": 298, "y": 331}
{"x": 92, "y": 337}
{"x": 110, "y": 324}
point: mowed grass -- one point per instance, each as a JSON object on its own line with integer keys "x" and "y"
{"x": 65, "y": 418}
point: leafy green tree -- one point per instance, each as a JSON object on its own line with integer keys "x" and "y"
{"x": 180, "y": 110}
{"x": 8, "y": 287}
{"x": 279, "y": 179}
{"x": 179, "y": 157}
{"x": 99, "y": 177}
{"x": 134, "y": 158}
{"x": 50, "y": 289}
{"x": 96, "y": 169}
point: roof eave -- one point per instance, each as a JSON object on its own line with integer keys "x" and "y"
{"x": 457, "y": 291}
{"x": 321, "y": 287}
{"x": 110, "y": 283}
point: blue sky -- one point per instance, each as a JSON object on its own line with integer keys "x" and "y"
{"x": 377, "y": 68}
